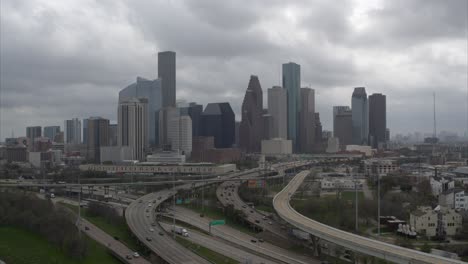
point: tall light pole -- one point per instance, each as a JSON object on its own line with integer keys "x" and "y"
{"x": 378, "y": 204}
{"x": 356, "y": 194}
{"x": 173, "y": 204}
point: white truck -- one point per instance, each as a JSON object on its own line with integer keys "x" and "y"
{"x": 179, "y": 230}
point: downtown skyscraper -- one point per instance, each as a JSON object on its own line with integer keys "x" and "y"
{"x": 72, "y": 131}
{"x": 278, "y": 109}
{"x": 167, "y": 74}
{"x": 306, "y": 131}
{"x": 377, "y": 120}
{"x": 252, "y": 128}
{"x": 133, "y": 126}
{"x": 360, "y": 116}
{"x": 292, "y": 84}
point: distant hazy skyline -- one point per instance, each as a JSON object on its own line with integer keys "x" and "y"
{"x": 64, "y": 59}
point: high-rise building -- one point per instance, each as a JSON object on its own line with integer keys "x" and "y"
{"x": 32, "y": 133}
{"x": 218, "y": 121}
{"x": 113, "y": 135}
{"x": 360, "y": 116}
{"x": 51, "y": 131}
{"x": 166, "y": 114}
{"x": 180, "y": 134}
{"x": 343, "y": 126}
{"x": 251, "y": 126}
{"x": 133, "y": 126}
{"x": 318, "y": 130}
{"x": 195, "y": 111}
{"x": 377, "y": 120}
{"x": 72, "y": 129}
{"x": 167, "y": 74}
{"x": 98, "y": 136}
{"x": 338, "y": 109}
{"x": 85, "y": 131}
{"x": 292, "y": 84}
{"x": 306, "y": 121}
{"x": 278, "y": 109}
{"x": 151, "y": 90}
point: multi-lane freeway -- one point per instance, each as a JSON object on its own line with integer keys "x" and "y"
{"x": 354, "y": 242}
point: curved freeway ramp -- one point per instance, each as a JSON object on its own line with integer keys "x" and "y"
{"x": 354, "y": 242}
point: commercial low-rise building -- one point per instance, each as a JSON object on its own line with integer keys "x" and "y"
{"x": 440, "y": 185}
{"x": 365, "y": 150}
{"x": 380, "y": 166}
{"x": 166, "y": 157}
{"x": 116, "y": 153}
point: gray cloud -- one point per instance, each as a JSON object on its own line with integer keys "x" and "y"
{"x": 59, "y": 61}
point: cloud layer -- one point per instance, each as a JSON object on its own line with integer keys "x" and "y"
{"x": 64, "y": 59}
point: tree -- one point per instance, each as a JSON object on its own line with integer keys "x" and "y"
{"x": 426, "y": 248}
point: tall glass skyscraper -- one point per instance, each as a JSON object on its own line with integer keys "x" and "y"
{"x": 151, "y": 90}
{"x": 360, "y": 116}
{"x": 292, "y": 84}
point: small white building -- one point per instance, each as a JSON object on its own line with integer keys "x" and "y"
{"x": 166, "y": 157}
{"x": 276, "y": 146}
{"x": 116, "y": 154}
{"x": 437, "y": 221}
{"x": 339, "y": 183}
{"x": 333, "y": 145}
{"x": 439, "y": 185}
{"x": 454, "y": 198}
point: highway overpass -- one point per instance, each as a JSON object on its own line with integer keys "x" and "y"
{"x": 354, "y": 242}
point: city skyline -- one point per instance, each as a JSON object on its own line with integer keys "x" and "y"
{"x": 217, "y": 71}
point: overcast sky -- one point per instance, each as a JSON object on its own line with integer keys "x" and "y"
{"x": 62, "y": 59}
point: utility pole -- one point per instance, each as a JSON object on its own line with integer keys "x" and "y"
{"x": 356, "y": 206}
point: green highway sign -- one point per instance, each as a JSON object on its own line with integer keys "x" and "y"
{"x": 217, "y": 222}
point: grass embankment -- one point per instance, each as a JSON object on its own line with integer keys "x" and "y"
{"x": 206, "y": 253}
{"x": 121, "y": 230}
{"x": 23, "y": 247}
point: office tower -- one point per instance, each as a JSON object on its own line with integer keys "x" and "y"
{"x": 292, "y": 83}
{"x": 85, "y": 131}
{"x": 318, "y": 129}
{"x": 165, "y": 115}
{"x": 278, "y": 109}
{"x": 133, "y": 126}
{"x": 167, "y": 74}
{"x": 338, "y": 109}
{"x": 387, "y": 135}
{"x": 98, "y": 136}
{"x": 195, "y": 111}
{"x": 306, "y": 121}
{"x": 360, "y": 116}
{"x": 343, "y": 125}
{"x": 267, "y": 126}
{"x": 377, "y": 120}
{"x": 151, "y": 90}
{"x": 180, "y": 134}
{"x": 51, "y": 131}
{"x": 72, "y": 131}
{"x": 236, "y": 133}
{"x": 32, "y": 133}
{"x": 113, "y": 135}
{"x": 251, "y": 126}
{"x": 218, "y": 121}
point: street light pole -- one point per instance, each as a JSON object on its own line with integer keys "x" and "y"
{"x": 378, "y": 204}
{"x": 356, "y": 194}
{"x": 173, "y": 205}
{"x": 203, "y": 194}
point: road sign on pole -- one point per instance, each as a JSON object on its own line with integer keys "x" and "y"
{"x": 216, "y": 222}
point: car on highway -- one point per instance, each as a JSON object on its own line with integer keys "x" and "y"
{"x": 264, "y": 217}
{"x": 147, "y": 210}
{"x": 147, "y": 215}
{"x": 253, "y": 241}
{"x": 270, "y": 223}
{"x": 244, "y": 206}
{"x": 149, "y": 205}
{"x": 148, "y": 239}
{"x": 86, "y": 228}
{"x": 161, "y": 233}
{"x": 257, "y": 221}
{"x": 251, "y": 211}
{"x": 260, "y": 240}
{"x": 151, "y": 229}
{"x": 128, "y": 257}
{"x": 153, "y": 224}
{"x": 136, "y": 255}
{"x": 159, "y": 198}
{"x": 140, "y": 201}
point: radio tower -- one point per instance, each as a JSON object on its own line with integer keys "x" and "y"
{"x": 434, "y": 132}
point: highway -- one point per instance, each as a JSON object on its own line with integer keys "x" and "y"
{"x": 241, "y": 239}
{"x": 140, "y": 221}
{"x": 220, "y": 246}
{"x": 117, "y": 248}
{"x": 348, "y": 240}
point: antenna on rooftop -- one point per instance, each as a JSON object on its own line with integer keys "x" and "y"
{"x": 434, "y": 133}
